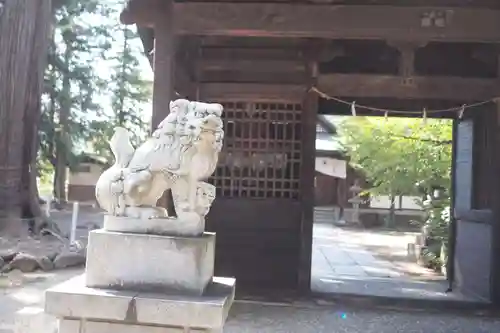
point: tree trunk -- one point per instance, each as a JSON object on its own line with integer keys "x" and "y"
{"x": 62, "y": 135}
{"x": 31, "y": 204}
{"x": 391, "y": 220}
{"x": 20, "y": 31}
{"x": 121, "y": 86}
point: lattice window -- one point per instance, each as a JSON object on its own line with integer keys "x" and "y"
{"x": 262, "y": 151}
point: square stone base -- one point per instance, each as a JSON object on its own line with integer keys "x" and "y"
{"x": 142, "y": 262}
{"x": 83, "y": 309}
{"x": 78, "y": 326}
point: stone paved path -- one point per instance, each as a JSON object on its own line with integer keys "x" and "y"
{"x": 351, "y": 261}
{"x": 21, "y": 308}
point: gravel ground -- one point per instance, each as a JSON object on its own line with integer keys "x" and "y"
{"x": 254, "y": 318}
{"x": 259, "y": 318}
{"x": 246, "y": 317}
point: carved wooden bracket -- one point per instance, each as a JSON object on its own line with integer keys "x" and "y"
{"x": 407, "y": 50}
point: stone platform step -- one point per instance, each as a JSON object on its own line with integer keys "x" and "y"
{"x": 324, "y": 215}
{"x": 83, "y": 309}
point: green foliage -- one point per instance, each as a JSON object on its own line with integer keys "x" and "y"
{"x": 70, "y": 79}
{"x": 437, "y": 228}
{"x": 400, "y": 156}
{"x": 92, "y": 82}
{"x": 438, "y": 218}
{"x": 129, "y": 93}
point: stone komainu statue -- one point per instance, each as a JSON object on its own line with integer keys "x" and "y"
{"x": 180, "y": 154}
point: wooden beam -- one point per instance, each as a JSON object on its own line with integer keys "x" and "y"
{"x": 367, "y": 85}
{"x": 251, "y": 53}
{"x": 256, "y": 65}
{"x": 379, "y": 86}
{"x": 333, "y": 21}
{"x": 252, "y": 91}
{"x": 229, "y": 76}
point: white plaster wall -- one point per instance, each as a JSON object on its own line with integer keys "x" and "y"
{"x": 410, "y": 202}
{"x": 383, "y": 201}
{"x": 331, "y": 167}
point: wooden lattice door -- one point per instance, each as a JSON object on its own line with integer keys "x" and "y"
{"x": 262, "y": 151}
{"x": 257, "y": 213}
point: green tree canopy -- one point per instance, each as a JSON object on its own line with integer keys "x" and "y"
{"x": 399, "y": 156}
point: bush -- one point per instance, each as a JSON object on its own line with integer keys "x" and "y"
{"x": 436, "y": 229}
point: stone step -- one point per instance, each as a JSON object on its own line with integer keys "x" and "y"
{"x": 324, "y": 218}
{"x": 332, "y": 213}
{"x": 326, "y": 212}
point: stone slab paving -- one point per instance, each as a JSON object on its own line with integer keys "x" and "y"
{"x": 342, "y": 263}
{"x": 21, "y": 297}
{"x": 21, "y": 306}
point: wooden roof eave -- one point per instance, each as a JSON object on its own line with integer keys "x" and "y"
{"x": 328, "y": 126}
{"x": 307, "y": 20}
{"x": 146, "y": 33}
{"x": 147, "y": 36}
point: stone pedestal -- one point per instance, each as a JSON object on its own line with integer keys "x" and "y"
{"x": 92, "y": 310}
{"x": 144, "y": 283}
{"x": 140, "y": 262}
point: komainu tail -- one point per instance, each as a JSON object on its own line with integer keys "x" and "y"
{"x": 121, "y": 147}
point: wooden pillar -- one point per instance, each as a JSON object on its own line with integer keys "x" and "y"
{"x": 309, "y": 118}
{"x": 183, "y": 80}
{"x": 164, "y": 74}
{"x": 495, "y": 228}
{"x": 452, "y": 227}
{"x": 186, "y": 67}
{"x": 164, "y": 62}
{"x": 196, "y": 61}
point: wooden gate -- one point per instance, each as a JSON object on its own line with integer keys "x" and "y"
{"x": 257, "y": 213}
